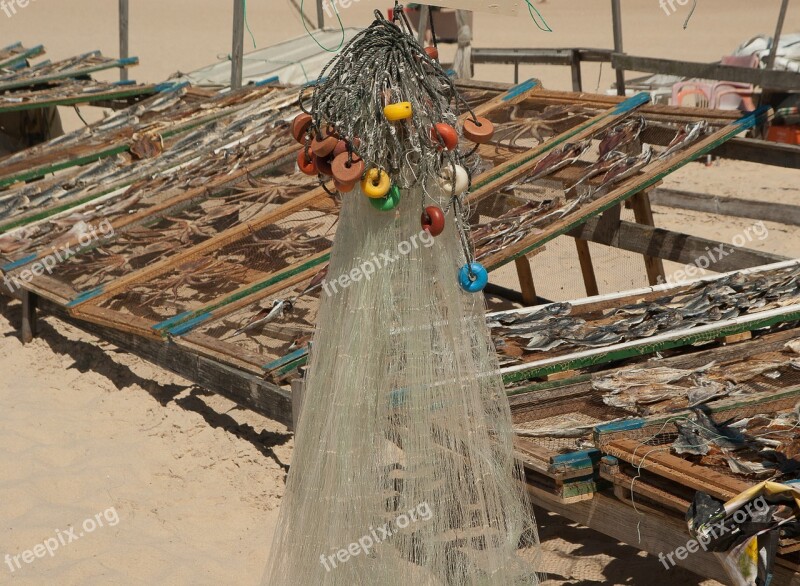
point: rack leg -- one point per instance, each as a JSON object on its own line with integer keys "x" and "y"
{"x": 526, "y": 280}
{"x": 644, "y": 215}
{"x": 29, "y": 329}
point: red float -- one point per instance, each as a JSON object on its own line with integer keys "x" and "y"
{"x": 433, "y": 220}
{"x": 300, "y": 126}
{"x": 306, "y": 162}
{"x": 445, "y": 136}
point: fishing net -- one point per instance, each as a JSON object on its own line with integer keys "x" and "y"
{"x": 403, "y": 470}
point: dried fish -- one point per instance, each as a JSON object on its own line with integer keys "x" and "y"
{"x": 686, "y": 136}
{"x": 621, "y": 135}
{"x": 558, "y": 159}
{"x": 265, "y": 316}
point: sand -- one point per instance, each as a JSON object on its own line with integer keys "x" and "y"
{"x": 194, "y": 482}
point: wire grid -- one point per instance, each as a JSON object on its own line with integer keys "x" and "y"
{"x": 198, "y": 279}
{"x": 191, "y": 159}
{"x": 558, "y": 331}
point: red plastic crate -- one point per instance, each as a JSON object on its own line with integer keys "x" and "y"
{"x": 787, "y": 134}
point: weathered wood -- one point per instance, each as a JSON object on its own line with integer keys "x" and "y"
{"x": 644, "y": 215}
{"x": 727, "y": 206}
{"x": 526, "y": 280}
{"x": 237, "y": 52}
{"x": 776, "y": 38}
{"x": 768, "y": 79}
{"x": 587, "y": 268}
{"x": 660, "y": 461}
{"x": 649, "y": 530}
{"x": 297, "y": 400}
{"x": 674, "y": 246}
{"x": 29, "y": 304}
{"x": 244, "y": 388}
{"x": 616, "y": 18}
{"x": 124, "y": 13}
{"x": 760, "y": 151}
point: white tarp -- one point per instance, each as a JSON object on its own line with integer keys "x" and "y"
{"x": 508, "y": 7}
{"x": 296, "y": 61}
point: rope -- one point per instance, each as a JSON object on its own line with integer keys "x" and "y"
{"x": 341, "y": 27}
{"x": 532, "y": 9}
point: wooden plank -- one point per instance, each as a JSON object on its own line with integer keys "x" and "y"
{"x": 626, "y": 190}
{"x": 644, "y": 216}
{"x": 237, "y": 52}
{"x": 86, "y": 98}
{"x": 245, "y": 389}
{"x": 587, "y": 268}
{"x": 70, "y": 73}
{"x": 674, "y": 246}
{"x": 760, "y": 151}
{"x": 659, "y": 461}
{"x": 525, "y": 276}
{"x": 768, "y": 79}
{"x": 124, "y": 13}
{"x": 727, "y": 206}
{"x": 29, "y": 303}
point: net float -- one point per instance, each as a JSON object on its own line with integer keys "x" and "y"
{"x": 398, "y": 111}
{"x": 343, "y": 187}
{"x": 322, "y": 147}
{"x": 376, "y": 184}
{"x": 445, "y": 136}
{"x": 347, "y": 168}
{"x": 454, "y": 180}
{"x": 433, "y": 220}
{"x": 388, "y": 203}
{"x": 480, "y": 130}
{"x": 323, "y": 165}
{"x": 473, "y": 278}
{"x": 306, "y": 162}
{"x": 300, "y": 126}
{"x": 432, "y": 52}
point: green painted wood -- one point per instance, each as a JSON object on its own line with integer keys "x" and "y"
{"x": 81, "y": 99}
{"x": 71, "y": 73}
{"x": 644, "y": 348}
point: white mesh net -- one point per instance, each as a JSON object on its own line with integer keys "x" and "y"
{"x": 403, "y": 470}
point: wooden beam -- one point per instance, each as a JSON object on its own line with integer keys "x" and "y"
{"x": 526, "y": 280}
{"x": 587, "y": 268}
{"x": 243, "y": 388}
{"x": 616, "y": 17}
{"x": 237, "y": 52}
{"x": 760, "y": 151}
{"x": 644, "y": 216}
{"x": 124, "y": 53}
{"x": 776, "y": 38}
{"x": 29, "y": 303}
{"x": 727, "y": 206}
{"x": 320, "y": 15}
{"x": 768, "y": 79}
{"x": 674, "y": 246}
{"x": 575, "y": 64}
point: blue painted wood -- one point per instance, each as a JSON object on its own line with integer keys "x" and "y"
{"x": 520, "y": 89}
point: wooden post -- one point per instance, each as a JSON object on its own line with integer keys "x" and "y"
{"x": 587, "y": 269}
{"x": 616, "y": 16}
{"x": 776, "y": 39}
{"x": 237, "y": 53}
{"x": 424, "y": 17}
{"x": 644, "y": 215}
{"x": 526, "y": 280}
{"x": 298, "y": 385}
{"x": 29, "y": 303}
{"x": 123, "y": 37}
{"x": 320, "y": 15}
{"x": 577, "y": 80}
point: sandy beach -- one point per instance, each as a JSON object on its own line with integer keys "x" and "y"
{"x": 186, "y": 485}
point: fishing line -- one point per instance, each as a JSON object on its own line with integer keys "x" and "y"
{"x": 532, "y": 9}
{"x": 691, "y": 12}
{"x": 247, "y": 25}
{"x": 310, "y": 34}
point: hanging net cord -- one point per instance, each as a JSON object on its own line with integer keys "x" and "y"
{"x": 403, "y": 470}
